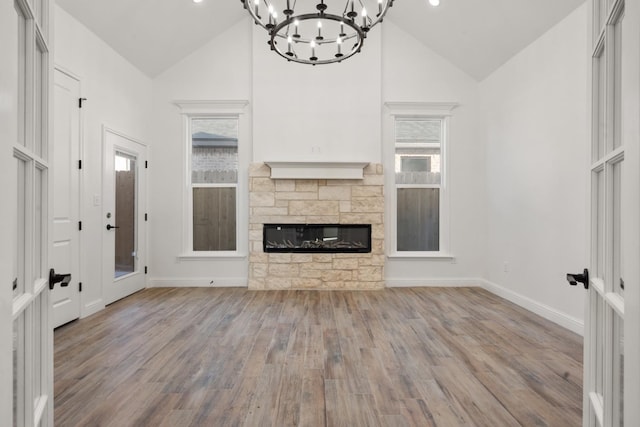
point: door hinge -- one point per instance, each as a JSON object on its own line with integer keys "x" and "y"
{"x": 80, "y": 102}
{"x": 146, "y": 164}
{"x": 146, "y": 270}
{"x": 146, "y": 218}
{"x": 621, "y": 284}
{"x": 79, "y": 286}
{"x": 15, "y": 283}
{"x": 79, "y": 164}
{"x": 79, "y": 225}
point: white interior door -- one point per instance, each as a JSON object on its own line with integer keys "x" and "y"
{"x": 124, "y": 226}
{"x": 66, "y": 188}
{"x": 611, "y": 385}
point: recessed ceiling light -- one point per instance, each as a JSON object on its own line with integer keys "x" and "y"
{"x": 197, "y": 1}
{"x": 431, "y": 2}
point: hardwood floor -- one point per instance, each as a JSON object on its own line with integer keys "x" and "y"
{"x": 397, "y": 357}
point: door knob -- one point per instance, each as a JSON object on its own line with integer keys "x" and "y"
{"x": 54, "y": 278}
{"x": 109, "y": 226}
{"x": 583, "y": 278}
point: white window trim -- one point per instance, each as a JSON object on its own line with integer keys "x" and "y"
{"x": 219, "y": 109}
{"x": 422, "y": 110}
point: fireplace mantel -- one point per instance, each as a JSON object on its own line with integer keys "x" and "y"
{"x": 316, "y": 169}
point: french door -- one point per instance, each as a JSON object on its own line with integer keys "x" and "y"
{"x": 611, "y": 374}
{"x": 124, "y": 230}
{"x": 26, "y": 170}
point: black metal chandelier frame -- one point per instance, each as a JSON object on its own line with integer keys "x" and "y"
{"x": 288, "y": 40}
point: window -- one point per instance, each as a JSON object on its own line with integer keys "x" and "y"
{"x": 214, "y": 182}
{"x": 215, "y": 217}
{"x": 418, "y": 205}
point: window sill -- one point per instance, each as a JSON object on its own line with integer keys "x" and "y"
{"x": 210, "y": 256}
{"x": 422, "y": 255}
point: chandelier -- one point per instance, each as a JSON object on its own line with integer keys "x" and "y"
{"x": 309, "y": 33}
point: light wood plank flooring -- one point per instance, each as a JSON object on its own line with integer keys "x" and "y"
{"x": 397, "y": 357}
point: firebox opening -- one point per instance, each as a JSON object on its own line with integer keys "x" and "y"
{"x": 317, "y": 238}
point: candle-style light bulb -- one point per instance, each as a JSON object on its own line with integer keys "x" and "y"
{"x": 364, "y": 17}
{"x": 289, "y": 41}
{"x": 296, "y": 23}
{"x": 319, "y": 37}
{"x": 313, "y": 51}
{"x": 379, "y": 7}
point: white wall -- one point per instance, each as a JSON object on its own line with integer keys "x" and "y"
{"x": 220, "y": 70}
{"x": 411, "y": 72}
{"x": 326, "y": 112}
{"x": 118, "y": 96}
{"x": 536, "y": 162}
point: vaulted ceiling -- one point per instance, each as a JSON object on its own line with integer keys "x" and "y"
{"x": 475, "y": 35}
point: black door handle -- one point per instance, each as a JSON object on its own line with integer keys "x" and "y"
{"x": 583, "y": 278}
{"x": 54, "y": 278}
{"x": 109, "y": 226}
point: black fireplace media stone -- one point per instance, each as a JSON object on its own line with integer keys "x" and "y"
{"x": 317, "y": 238}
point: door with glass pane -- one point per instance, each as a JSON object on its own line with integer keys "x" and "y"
{"x": 123, "y": 218}
{"x": 609, "y": 338}
{"x": 26, "y": 189}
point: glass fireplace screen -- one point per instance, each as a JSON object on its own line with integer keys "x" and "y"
{"x": 317, "y": 238}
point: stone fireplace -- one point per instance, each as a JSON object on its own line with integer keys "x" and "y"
{"x": 356, "y": 201}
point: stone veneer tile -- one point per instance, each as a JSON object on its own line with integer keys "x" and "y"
{"x": 337, "y": 275}
{"x": 313, "y": 274}
{"x": 263, "y": 198}
{"x": 373, "y": 180}
{"x": 370, "y": 169}
{"x": 345, "y": 264}
{"x": 298, "y": 207}
{"x": 259, "y": 170}
{"x": 369, "y": 273}
{"x": 262, "y": 184}
{"x": 268, "y": 211}
{"x": 367, "y": 204}
{"x": 361, "y": 218}
{"x": 306, "y": 283}
{"x": 325, "y": 219}
{"x": 295, "y": 195}
{"x": 280, "y": 258}
{"x": 303, "y": 185}
{"x": 322, "y": 257}
{"x": 277, "y": 283}
{"x": 285, "y": 185}
{"x": 259, "y": 270}
{"x": 284, "y": 270}
{"x": 366, "y": 191}
{"x": 334, "y": 193}
{"x": 301, "y": 258}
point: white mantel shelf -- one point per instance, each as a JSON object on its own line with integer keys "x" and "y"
{"x": 316, "y": 170}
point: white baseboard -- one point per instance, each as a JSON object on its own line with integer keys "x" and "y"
{"x": 197, "y": 282}
{"x": 569, "y": 322}
{"x": 92, "y": 308}
{"x": 432, "y": 283}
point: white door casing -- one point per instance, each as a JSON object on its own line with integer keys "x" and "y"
{"x": 612, "y": 344}
{"x": 66, "y": 224}
{"x": 118, "y": 285}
